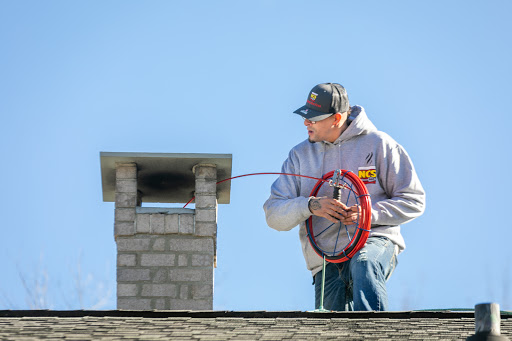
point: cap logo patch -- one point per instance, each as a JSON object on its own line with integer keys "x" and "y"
{"x": 313, "y": 96}
{"x": 305, "y": 111}
{"x": 368, "y": 174}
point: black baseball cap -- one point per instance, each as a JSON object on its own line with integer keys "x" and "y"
{"x": 324, "y": 100}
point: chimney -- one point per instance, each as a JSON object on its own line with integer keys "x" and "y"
{"x": 165, "y": 256}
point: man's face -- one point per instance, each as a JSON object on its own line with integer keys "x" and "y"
{"x": 320, "y": 130}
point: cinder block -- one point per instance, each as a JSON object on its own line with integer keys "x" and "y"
{"x": 159, "y": 244}
{"x": 159, "y": 290}
{"x": 126, "y": 171}
{"x": 157, "y": 260}
{"x": 171, "y": 223}
{"x": 143, "y": 223}
{"x": 133, "y": 244}
{"x": 205, "y": 187}
{"x": 126, "y": 185}
{"x": 202, "y": 260}
{"x": 186, "y": 223}
{"x": 126, "y": 289}
{"x": 125, "y": 214}
{"x": 183, "y": 260}
{"x": 133, "y": 304}
{"x": 206, "y": 172}
{"x": 157, "y": 223}
{"x": 126, "y": 200}
{"x": 184, "y": 292}
{"x": 207, "y": 229}
{"x": 206, "y": 201}
{"x": 192, "y": 245}
{"x": 124, "y": 228}
{"x": 161, "y": 304}
{"x": 160, "y": 276}
{"x": 202, "y": 291}
{"x": 191, "y": 275}
{"x": 178, "y": 304}
{"x": 206, "y": 215}
{"x": 126, "y": 260}
{"x": 132, "y": 275}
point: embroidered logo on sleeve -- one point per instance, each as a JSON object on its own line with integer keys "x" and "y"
{"x": 368, "y": 174}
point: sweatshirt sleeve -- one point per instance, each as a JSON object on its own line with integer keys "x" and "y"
{"x": 406, "y": 197}
{"x": 285, "y": 208}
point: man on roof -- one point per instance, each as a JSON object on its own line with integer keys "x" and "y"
{"x": 343, "y": 137}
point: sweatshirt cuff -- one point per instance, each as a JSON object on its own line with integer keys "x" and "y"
{"x": 305, "y": 208}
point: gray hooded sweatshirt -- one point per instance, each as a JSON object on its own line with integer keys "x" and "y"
{"x": 396, "y": 193}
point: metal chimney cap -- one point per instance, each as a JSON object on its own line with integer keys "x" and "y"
{"x": 165, "y": 177}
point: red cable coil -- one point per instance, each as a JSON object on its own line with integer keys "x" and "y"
{"x": 364, "y": 221}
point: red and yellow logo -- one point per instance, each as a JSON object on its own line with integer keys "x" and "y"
{"x": 368, "y": 174}
{"x": 313, "y": 96}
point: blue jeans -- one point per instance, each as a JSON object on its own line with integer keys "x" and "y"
{"x": 359, "y": 283}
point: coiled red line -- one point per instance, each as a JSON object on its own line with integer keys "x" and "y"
{"x": 363, "y": 224}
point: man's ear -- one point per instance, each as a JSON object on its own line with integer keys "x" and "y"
{"x": 337, "y": 118}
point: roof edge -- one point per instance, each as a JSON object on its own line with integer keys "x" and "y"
{"x": 440, "y": 314}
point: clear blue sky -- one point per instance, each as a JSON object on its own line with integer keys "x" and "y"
{"x": 80, "y": 77}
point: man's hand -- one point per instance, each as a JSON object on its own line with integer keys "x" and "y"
{"x": 351, "y": 214}
{"x": 333, "y": 210}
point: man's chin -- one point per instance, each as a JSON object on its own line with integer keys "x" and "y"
{"x": 310, "y": 140}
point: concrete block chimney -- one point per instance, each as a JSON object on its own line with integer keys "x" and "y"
{"x": 165, "y": 256}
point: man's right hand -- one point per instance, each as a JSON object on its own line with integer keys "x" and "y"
{"x": 328, "y": 208}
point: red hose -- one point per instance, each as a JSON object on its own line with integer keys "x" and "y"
{"x": 364, "y": 222}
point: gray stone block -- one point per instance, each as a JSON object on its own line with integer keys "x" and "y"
{"x": 191, "y": 245}
{"x": 205, "y": 187}
{"x": 207, "y": 229}
{"x": 133, "y": 304}
{"x": 126, "y": 171}
{"x": 202, "y": 291}
{"x": 206, "y": 201}
{"x": 160, "y": 276}
{"x": 132, "y": 275}
{"x": 178, "y": 304}
{"x": 184, "y": 292}
{"x": 124, "y": 228}
{"x": 183, "y": 260}
{"x": 171, "y": 223}
{"x": 133, "y": 244}
{"x": 202, "y": 260}
{"x": 126, "y": 289}
{"x": 143, "y": 225}
{"x": 186, "y": 223}
{"x": 125, "y": 214}
{"x": 157, "y": 260}
{"x": 191, "y": 275}
{"x": 159, "y": 244}
{"x": 126, "y": 200}
{"x": 161, "y": 304}
{"x": 126, "y": 260}
{"x": 157, "y": 223}
{"x": 126, "y": 186}
{"x": 205, "y": 172}
{"x": 159, "y": 290}
{"x": 208, "y": 215}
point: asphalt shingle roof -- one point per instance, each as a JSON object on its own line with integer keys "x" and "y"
{"x": 222, "y": 325}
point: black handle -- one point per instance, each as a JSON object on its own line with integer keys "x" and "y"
{"x": 336, "y": 193}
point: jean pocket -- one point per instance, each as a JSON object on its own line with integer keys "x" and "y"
{"x": 392, "y": 266}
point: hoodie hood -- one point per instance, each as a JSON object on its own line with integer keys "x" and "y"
{"x": 359, "y": 125}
